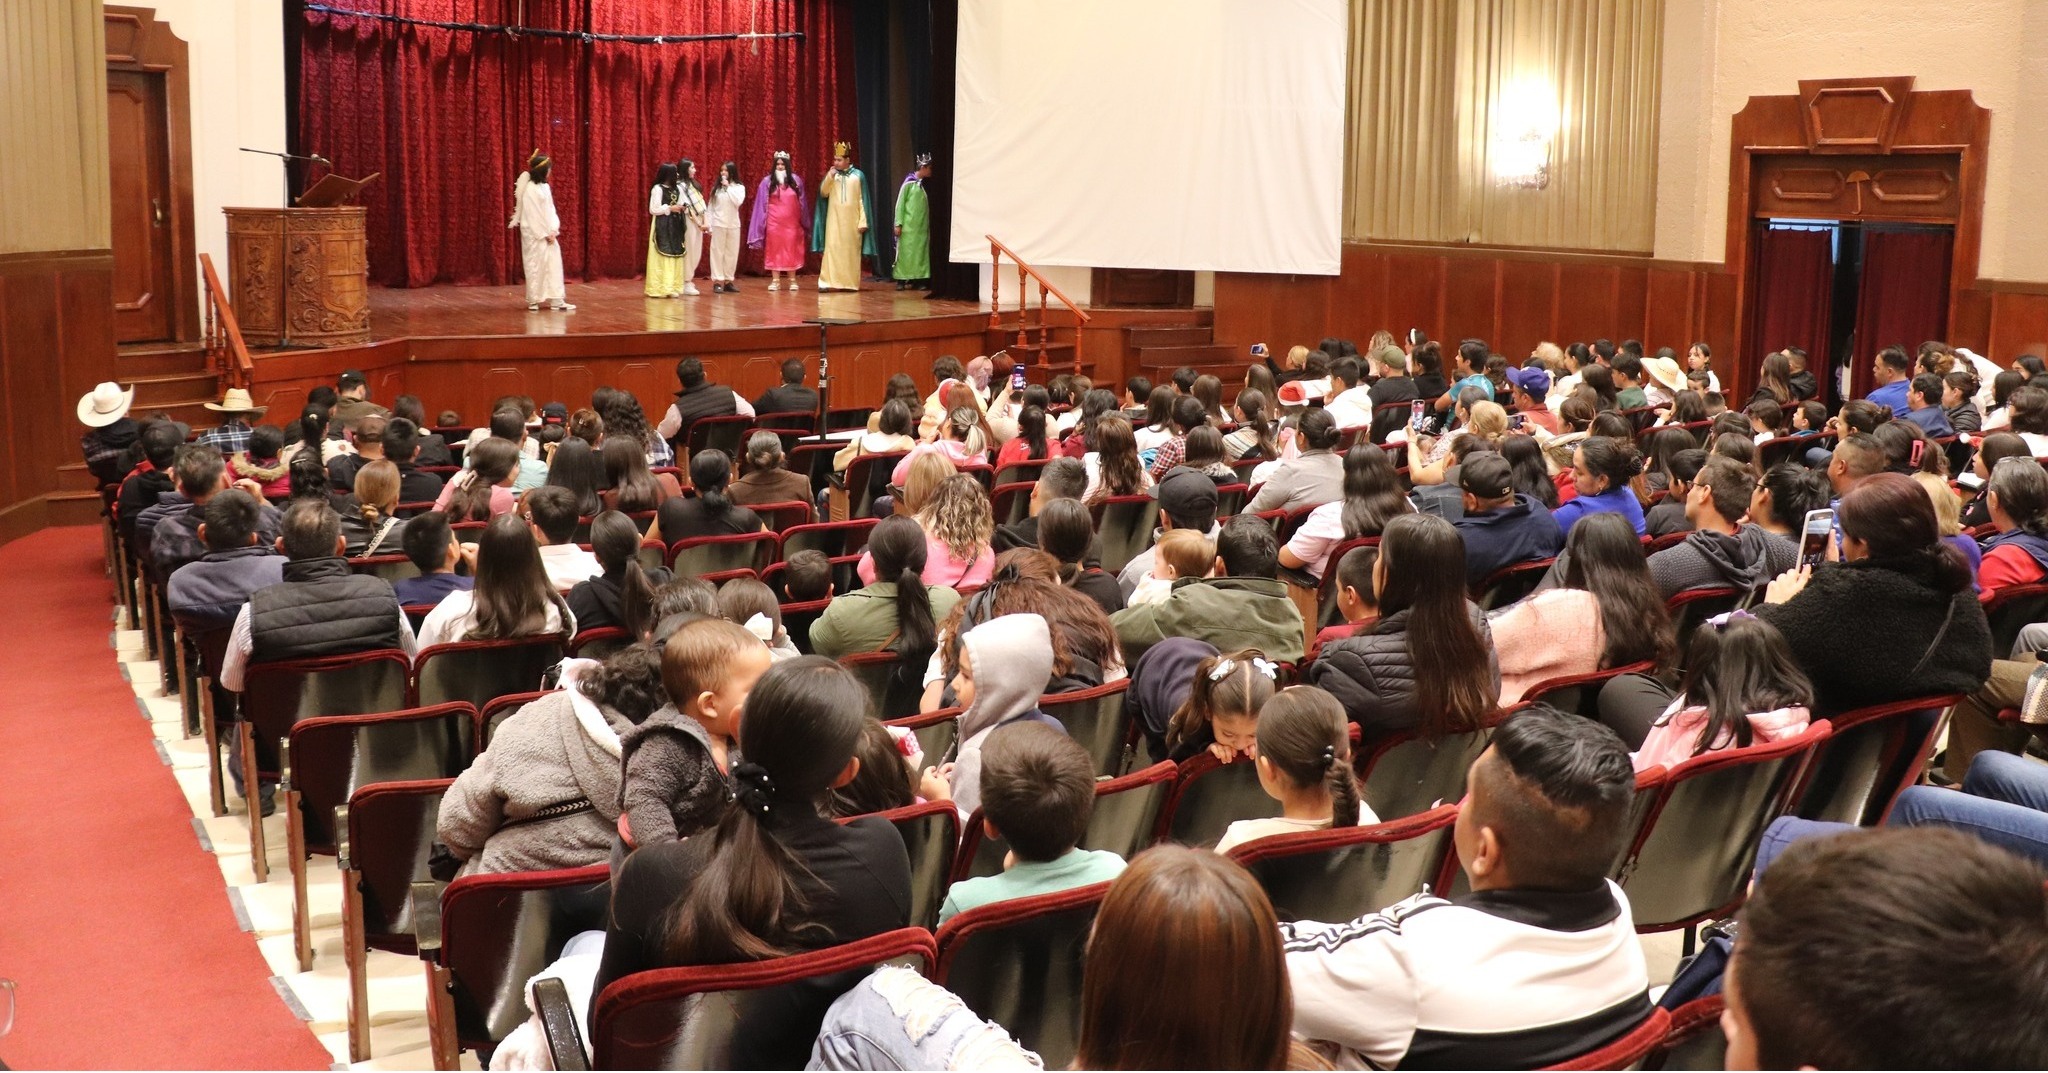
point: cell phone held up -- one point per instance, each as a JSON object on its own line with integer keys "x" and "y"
{"x": 1814, "y": 534}
{"x": 1017, "y": 378}
{"x": 1416, "y": 412}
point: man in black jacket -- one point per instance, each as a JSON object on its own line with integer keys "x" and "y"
{"x": 790, "y": 396}
{"x": 150, "y": 478}
{"x": 1500, "y": 526}
{"x": 321, "y": 608}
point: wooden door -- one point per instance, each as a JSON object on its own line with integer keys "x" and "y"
{"x": 139, "y": 165}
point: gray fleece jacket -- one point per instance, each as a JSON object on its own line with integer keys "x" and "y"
{"x": 1010, "y": 658}
{"x": 1708, "y": 560}
{"x": 560, "y": 748}
{"x": 672, "y": 787}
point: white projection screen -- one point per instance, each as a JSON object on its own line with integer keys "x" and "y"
{"x": 1180, "y": 134}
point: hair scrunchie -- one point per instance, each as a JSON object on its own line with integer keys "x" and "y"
{"x": 756, "y": 790}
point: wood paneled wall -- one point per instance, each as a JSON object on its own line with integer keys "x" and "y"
{"x": 56, "y": 342}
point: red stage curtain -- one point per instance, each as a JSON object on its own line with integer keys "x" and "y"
{"x": 1903, "y": 299}
{"x": 449, "y": 116}
{"x": 1795, "y": 273}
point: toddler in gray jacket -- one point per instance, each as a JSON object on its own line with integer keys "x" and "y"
{"x": 676, "y": 761}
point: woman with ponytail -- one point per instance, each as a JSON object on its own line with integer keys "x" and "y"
{"x": 1304, "y": 763}
{"x": 897, "y": 610}
{"x": 1602, "y": 468}
{"x": 1254, "y": 437}
{"x": 1066, "y": 531}
{"x": 711, "y": 512}
{"x": 623, "y": 595}
{"x": 773, "y": 876}
{"x": 368, "y": 523}
{"x": 484, "y": 490}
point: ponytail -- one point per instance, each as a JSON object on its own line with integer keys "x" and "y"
{"x": 897, "y": 548}
{"x": 636, "y": 600}
{"x": 1342, "y": 784}
{"x": 1302, "y": 733}
{"x": 915, "y": 630}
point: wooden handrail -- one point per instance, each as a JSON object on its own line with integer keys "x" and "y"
{"x": 1025, "y": 275}
{"x": 226, "y": 354}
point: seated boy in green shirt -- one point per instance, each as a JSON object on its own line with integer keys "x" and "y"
{"x": 1037, "y": 792}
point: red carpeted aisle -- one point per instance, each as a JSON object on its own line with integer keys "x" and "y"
{"x": 113, "y": 921}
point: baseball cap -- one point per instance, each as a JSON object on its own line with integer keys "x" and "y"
{"x": 554, "y": 413}
{"x": 351, "y": 378}
{"x": 1534, "y": 381}
{"x": 1486, "y": 475}
{"x": 1189, "y": 498}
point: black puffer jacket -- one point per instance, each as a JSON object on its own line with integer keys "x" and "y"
{"x": 1371, "y": 674}
{"x": 1875, "y": 631}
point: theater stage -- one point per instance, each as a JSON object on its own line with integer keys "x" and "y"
{"x": 460, "y": 347}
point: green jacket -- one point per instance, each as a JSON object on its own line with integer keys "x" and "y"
{"x": 865, "y": 619}
{"x": 1228, "y": 612}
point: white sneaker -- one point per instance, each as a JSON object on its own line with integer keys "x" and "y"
{"x": 692, "y": 290}
{"x": 793, "y": 286}
{"x": 563, "y": 307}
{"x": 774, "y": 284}
{"x": 533, "y": 307}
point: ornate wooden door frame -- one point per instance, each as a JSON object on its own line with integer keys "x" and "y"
{"x": 138, "y": 41}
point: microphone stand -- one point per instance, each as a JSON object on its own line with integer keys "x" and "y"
{"x": 286, "y": 159}
{"x": 825, "y": 325}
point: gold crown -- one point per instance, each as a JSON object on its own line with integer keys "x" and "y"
{"x": 844, "y": 149}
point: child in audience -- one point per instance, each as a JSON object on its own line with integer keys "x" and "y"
{"x": 1809, "y": 418}
{"x": 676, "y": 763}
{"x": 260, "y": 463}
{"x": 1356, "y": 599}
{"x": 430, "y": 544}
{"x": 1037, "y": 792}
{"x": 1179, "y": 553}
{"x": 807, "y": 576}
{"x": 1304, "y": 762}
{"x": 750, "y": 604}
{"x": 1221, "y": 713}
{"x": 1004, "y": 665}
{"x": 448, "y": 419}
{"x": 888, "y": 760}
{"x": 1742, "y": 685}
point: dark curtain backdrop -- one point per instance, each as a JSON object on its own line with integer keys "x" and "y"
{"x": 893, "y": 55}
{"x": 1795, "y": 272}
{"x": 448, "y": 117}
{"x": 1903, "y": 299}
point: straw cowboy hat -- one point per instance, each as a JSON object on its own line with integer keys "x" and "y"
{"x": 105, "y": 404}
{"x": 1666, "y": 372}
{"x": 237, "y": 401}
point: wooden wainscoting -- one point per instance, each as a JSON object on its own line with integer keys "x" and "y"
{"x": 56, "y": 342}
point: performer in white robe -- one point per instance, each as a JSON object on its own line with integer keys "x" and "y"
{"x": 727, "y": 195}
{"x": 695, "y": 227}
{"x": 841, "y": 229}
{"x": 540, "y": 230}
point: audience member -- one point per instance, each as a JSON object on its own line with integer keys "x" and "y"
{"x": 1066, "y": 531}
{"x": 696, "y": 397}
{"x": 1722, "y": 551}
{"x": 896, "y": 610}
{"x": 1244, "y": 606}
{"x": 1178, "y": 553}
{"x": 631, "y": 487}
{"x": 1892, "y": 367}
{"x": 1026, "y": 581}
{"x": 807, "y": 576}
{"x": 353, "y": 403}
{"x": 1188, "y": 414}
{"x": 1189, "y": 501}
{"x": 1003, "y": 667}
{"x": 1304, "y": 762}
{"x": 433, "y": 448}
{"x": 1255, "y": 435}
{"x": 1311, "y": 478}
{"x": 369, "y": 520}
{"x": 1356, "y": 600}
{"x": 1037, "y": 792}
{"x": 1784, "y": 496}
{"x": 1741, "y": 685}
{"x": 2017, "y": 501}
{"x": 1601, "y": 470}
{"x": 552, "y": 514}
{"x": 957, "y": 527}
{"x": 260, "y": 461}
{"x": 1499, "y": 526}
{"x": 1668, "y": 515}
{"x": 512, "y": 596}
{"x": 209, "y": 593}
{"x": 621, "y": 595}
{"x": 110, "y": 441}
{"x": 1194, "y": 699}
{"x": 430, "y": 544}
{"x": 790, "y": 396}
{"x": 675, "y": 762}
{"x": 237, "y": 413}
{"x": 321, "y": 608}
{"x": 884, "y": 779}
{"x": 171, "y": 529}
{"x": 483, "y": 490}
{"x": 366, "y": 442}
{"x": 711, "y": 512}
{"x": 577, "y": 469}
{"x": 1113, "y": 467}
{"x": 1372, "y": 497}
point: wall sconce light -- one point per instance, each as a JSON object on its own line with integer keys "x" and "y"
{"x": 1521, "y": 145}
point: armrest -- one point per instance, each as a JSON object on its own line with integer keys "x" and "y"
{"x": 341, "y": 837}
{"x": 284, "y": 765}
{"x": 558, "y": 1022}
{"x": 426, "y": 917}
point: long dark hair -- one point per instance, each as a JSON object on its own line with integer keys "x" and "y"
{"x": 313, "y": 428}
{"x": 1065, "y": 529}
{"x": 1122, "y": 474}
{"x": 665, "y": 176}
{"x": 1615, "y": 459}
{"x": 1423, "y": 561}
{"x": 490, "y": 461}
{"x": 710, "y": 472}
{"x": 1303, "y": 733}
{"x": 615, "y": 540}
{"x": 883, "y": 781}
{"x": 622, "y": 416}
{"x": 633, "y": 486}
{"x": 804, "y": 719}
{"x": 1901, "y": 531}
{"x": 1372, "y": 492}
{"x": 1741, "y": 666}
{"x": 512, "y": 594}
{"x": 576, "y": 467}
{"x": 683, "y": 177}
{"x": 1527, "y": 472}
{"x": 898, "y": 550}
{"x": 1251, "y": 403}
{"x": 788, "y": 181}
{"x": 1031, "y": 429}
{"x": 1605, "y": 558}
{"x": 308, "y": 477}
{"x": 728, "y": 172}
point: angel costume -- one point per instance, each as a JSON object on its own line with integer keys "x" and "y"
{"x": 540, "y": 229}
{"x": 844, "y": 226}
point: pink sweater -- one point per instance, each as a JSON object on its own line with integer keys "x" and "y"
{"x": 941, "y": 568}
{"x": 1677, "y": 733}
{"x": 1551, "y": 634}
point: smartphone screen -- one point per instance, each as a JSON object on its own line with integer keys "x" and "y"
{"x": 1518, "y": 420}
{"x": 1017, "y": 378}
{"x": 1813, "y": 536}
{"x": 1415, "y": 413}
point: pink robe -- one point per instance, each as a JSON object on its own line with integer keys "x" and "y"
{"x": 784, "y": 249}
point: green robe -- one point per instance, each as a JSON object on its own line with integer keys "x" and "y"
{"x": 914, "y": 246}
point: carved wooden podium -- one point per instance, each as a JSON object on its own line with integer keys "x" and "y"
{"x": 300, "y": 276}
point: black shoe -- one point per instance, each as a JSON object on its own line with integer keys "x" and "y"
{"x": 266, "y": 798}
{"x": 902, "y": 285}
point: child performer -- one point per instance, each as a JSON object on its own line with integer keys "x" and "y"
{"x": 724, "y": 215}
{"x": 540, "y": 231}
{"x": 665, "y": 236}
{"x": 696, "y": 228}
{"x": 914, "y": 227}
{"x": 840, "y": 226}
{"x": 777, "y": 229}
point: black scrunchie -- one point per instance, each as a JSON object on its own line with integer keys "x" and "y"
{"x": 756, "y": 788}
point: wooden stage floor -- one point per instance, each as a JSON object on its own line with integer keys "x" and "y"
{"x": 617, "y": 307}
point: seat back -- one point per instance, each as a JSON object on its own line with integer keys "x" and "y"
{"x": 1025, "y": 473}
{"x": 482, "y": 671}
{"x": 1347, "y": 872}
{"x": 842, "y": 418}
{"x": 1405, "y": 774}
{"x": 1510, "y": 583}
{"x": 931, "y": 835}
{"x": 497, "y": 931}
{"x": 1018, "y": 963}
{"x": 333, "y": 756}
{"x": 1694, "y": 1040}
{"x": 716, "y": 554}
{"x": 813, "y": 460}
{"x": 1580, "y": 693}
{"x": 1208, "y": 796}
{"x": 798, "y": 618}
{"x": 1097, "y": 719}
{"x": 937, "y": 732}
{"x": 599, "y": 643}
{"x": 278, "y": 693}
{"x": 1872, "y": 755}
{"x": 2010, "y": 610}
{"x": 785, "y": 515}
{"x": 388, "y": 837}
{"x": 1692, "y": 859}
{"x": 804, "y": 421}
{"x": 1626, "y": 1052}
{"x": 498, "y": 710}
{"x": 893, "y": 682}
{"x": 1124, "y": 525}
{"x": 1125, "y": 821}
{"x": 388, "y": 567}
{"x": 837, "y": 540}
{"x": 867, "y": 477}
{"x": 1011, "y": 503}
{"x": 721, "y": 433}
{"x": 753, "y": 1015}
{"x": 1694, "y": 606}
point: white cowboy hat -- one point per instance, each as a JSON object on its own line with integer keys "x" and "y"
{"x": 105, "y": 404}
{"x": 1666, "y": 372}
{"x": 236, "y": 401}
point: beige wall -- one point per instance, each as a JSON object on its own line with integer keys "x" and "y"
{"x": 236, "y": 51}
{"x": 53, "y": 126}
{"x": 1718, "y": 53}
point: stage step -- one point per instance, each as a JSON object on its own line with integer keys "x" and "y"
{"x": 1143, "y": 336}
{"x": 159, "y": 359}
{"x": 1172, "y": 357}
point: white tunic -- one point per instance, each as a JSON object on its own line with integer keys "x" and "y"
{"x": 535, "y": 217}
